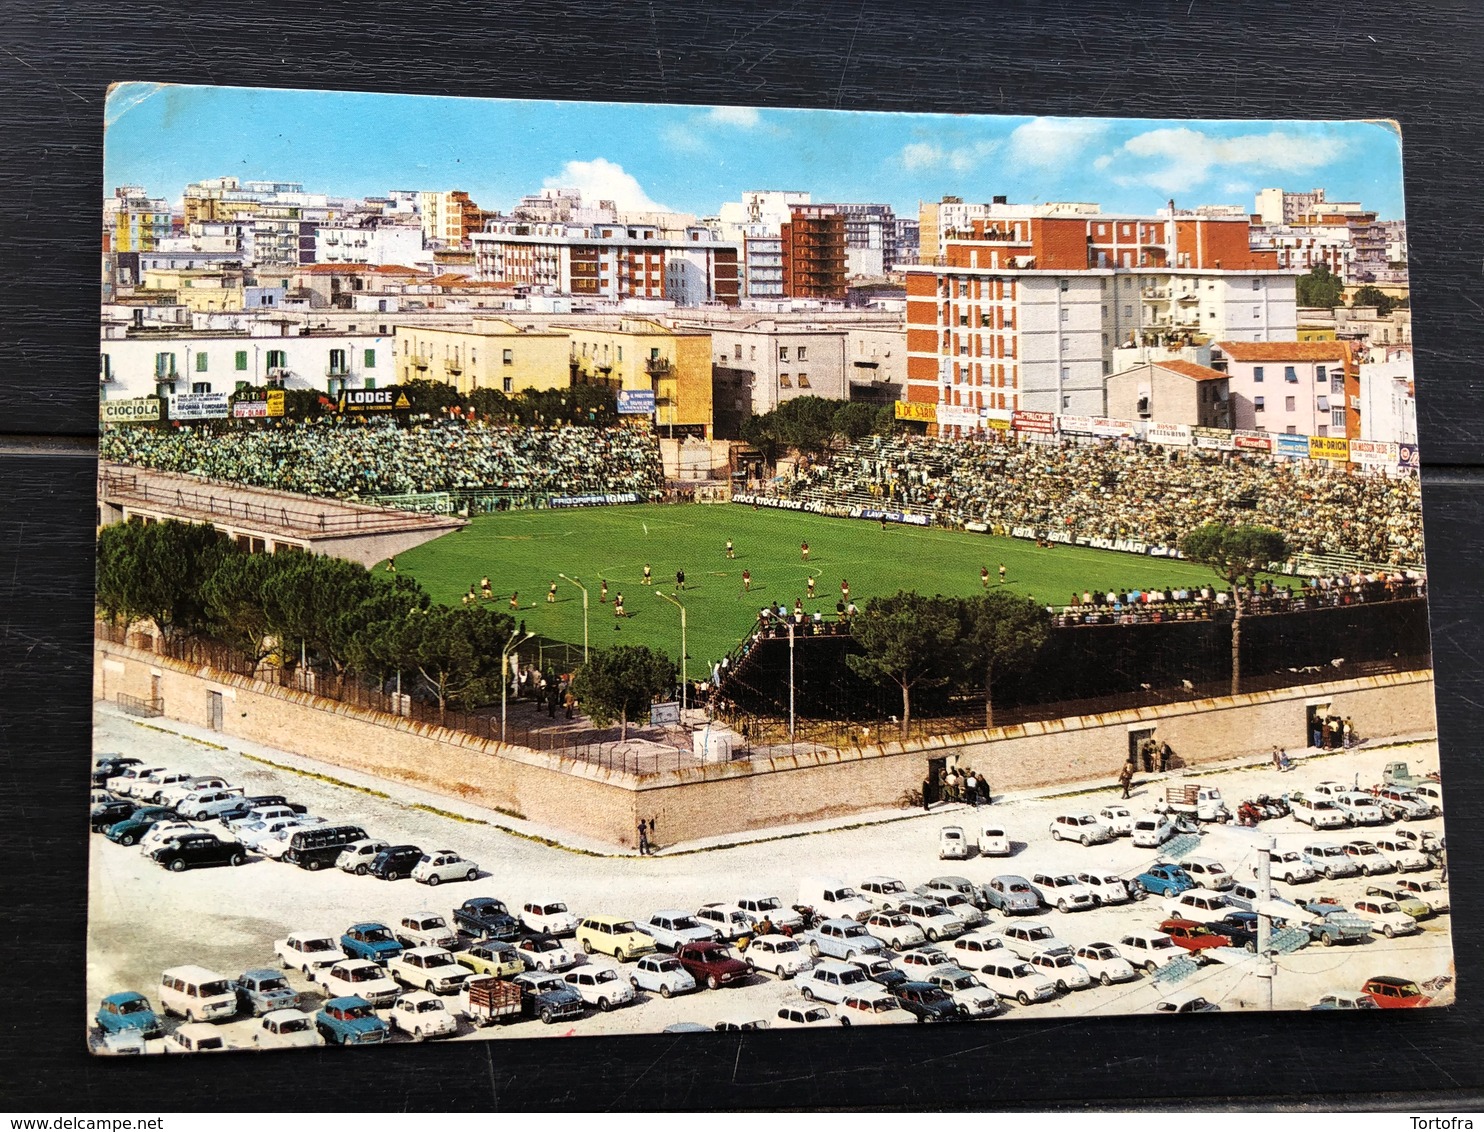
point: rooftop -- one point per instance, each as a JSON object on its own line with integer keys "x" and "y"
{"x": 1285, "y": 351}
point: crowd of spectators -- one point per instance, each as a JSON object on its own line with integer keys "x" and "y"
{"x": 354, "y": 459}
{"x": 1120, "y": 489}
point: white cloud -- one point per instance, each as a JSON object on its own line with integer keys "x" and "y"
{"x": 742, "y": 117}
{"x": 683, "y": 138}
{"x": 920, "y": 156}
{"x": 601, "y": 179}
{"x": 1050, "y": 143}
{"x": 1178, "y": 159}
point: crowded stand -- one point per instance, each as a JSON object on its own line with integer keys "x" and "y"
{"x": 346, "y": 459}
{"x": 1119, "y": 490}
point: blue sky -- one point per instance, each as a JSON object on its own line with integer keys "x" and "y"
{"x": 692, "y": 158}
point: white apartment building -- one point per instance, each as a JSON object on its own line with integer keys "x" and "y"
{"x": 382, "y": 245}
{"x": 1388, "y": 399}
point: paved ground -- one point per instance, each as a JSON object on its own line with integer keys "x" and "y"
{"x": 143, "y": 919}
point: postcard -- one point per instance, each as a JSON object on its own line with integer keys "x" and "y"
{"x": 569, "y": 569}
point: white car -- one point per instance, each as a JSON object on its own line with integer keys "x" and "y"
{"x": 1430, "y": 892}
{"x": 198, "y": 1037}
{"x": 1106, "y": 888}
{"x": 163, "y": 831}
{"x": 1331, "y": 860}
{"x": 976, "y": 947}
{"x": 175, "y": 792}
{"x": 201, "y": 804}
{"x": 670, "y": 927}
{"x": 727, "y": 921}
{"x": 600, "y": 987}
{"x": 662, "y": 974}
{"x": 1012, "y": 978}
{"x": 1292, "y": 867}
{"x": 779, "y": 954}
{"x": 884, "y": 893}
{"x": 154, "y": 787}
{"x": 1025, "y": 940}
{"x": 1105, "y": 963}
{"x": 548, "y": 917}
{"x": 1207, "y": 873}
{"x": 969, "y": 994}
{"x": 286, "y": 1029}
{"x": 872, "y": 1008}
{"x": 1063, "y": 891}
{"x": 128, "y": 782}
{"x": 940, "y": 888}
{"x": 441, "y": 865}
{"x": 425, "y": 929}
{"x": 261, "y": 814}
{"x": 359, "y": 977}
{"x": 358, "y": 855}
{"x": 1150, "y": 831}
{"x": 952, "y": 844}
{"x": 1062, "y": 969}
{"x": 256, "y": 833}
{"x": 1389, "y": 915}
{"x": 917, "y": 962}
{"x": 765, "y": 907}
{"x": 1431, "y": 793}
{"x": 831, "y": 980}
{"x": 895, "y": 930}
{"x": 794, "y": 1012}
{"x": 1405, "y": 854}
{"x": 1369, "y": 859}
{"x": 1199, "y": 904}
{"x": 275, "y": 847}
{"x": 1361, "y": 809}
{"x": 994, "y": 841}
{"x": 422, "y": 1015}
{"x": 307, "y": 952}
{"x": 963, "y": 909}
{"x": 1081, "y": 827}
{"x": 1120, "y": 819}
{"x": 1329, "y": 788}
{"x": 1401, "y": 804}
{"x": 427, "y": 968}
{"x": 933, "y": 917}
{"x": 1317, "y": 812}
{"x": 1151, "y": 950}
{"x": 546, "y": 953}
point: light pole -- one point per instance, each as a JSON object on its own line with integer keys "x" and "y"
{"x": 790, "y": 682}
{"x": 680, "y": 607}
{"x": 516, "y": 640}
{"x": 583, "y": 588}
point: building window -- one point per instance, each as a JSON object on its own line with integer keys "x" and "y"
{"x": 1324, "y": 404}
{"x": 508, "y": 385}
{"x": 165, "y": 365}
{"x": 1337, "y": 417}
{"x": 241, "y": 360}
{"x": 1065, "y": 314}
{"x": 278, "y": 359}
{"x": 200, "y": 387}
{"x": 1289, "y": 405}
{"x": 1320, "y": 375}
{"x": 1291, "y": 430}
{"x": 1256, "y": 312}
{"x": 508, "y": 358}
{"x": 1290, "y": 373}
{"x": 370, "y": 383}
{"x": 1128, "y": 312}
{"x": 1258, "y": 404}
{"x": 337, "y": 363}
{"x": 1257, "y": 284}
{"x": 201, "y": 361}
{"x": 802, "y": 353}
{"x": 1066, "y": 373}
{"x": 804, "y": 381}
{"x": 1064, "y": 284}
{"x": 241, "y": 385}
{"x": 783, "y": 353}
{"x": 784, "y": 382}
{"x": 369, "y": 358}
{"x": 737, "y": 351}
{"x": 620, "y": 354}
{"x": 1337, "y": 383}
{"x": 1066, "y": 401}
{"x": 752, "y": 353}
{"x": 1257, "y": 373}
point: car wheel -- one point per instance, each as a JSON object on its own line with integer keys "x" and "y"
{"x": 1061, "y": 906}
{"x": 808, "y": 993}
{"x": 1086, "y": 841}
{"x": 1023, "y": 998}
{"x": 1103, "y": 978}
{"x": 1061, "y": 985}
{"x": 313, "y": 864}
{"x": 178, "y": 865}
{"x": 472, "y": 874}
{"x": 1329, "y": 872}
{"x": 665, "y": 990}
{"x": 127, "y": 839}
{"x": 604, "y": 1005}
{"x": 932, "y": 934}
{"x": 1055, "y": 834}
{"x": 618, "y": 954}
{"x": 850, "y": 954}
{"x": 392, "y": 874}
{"x": 1287, "y": 878}
{"x": 1151, "y": 966}
{"x": 712, "y": 982}
{"x": 434, "y": 880}
{"x": 362, "y": 869}
{"x": 751, "y": 967}
{"x": 1326, "y": 940}
{"x": 844, "y": 1021}
{"x": 896, "y": 945}
{"x": 1388, "y": 931}
{"x": 1251, "y": 946}
{"x": 547, "y": 1017}
{"x": 237, "y": 859}
{"x": 190, "y": 1016}
{"x": 814, "y": 950}
{"x": 417, "y": 1033}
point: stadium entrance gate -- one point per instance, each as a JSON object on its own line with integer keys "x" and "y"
{"x": 932, "y": 788}
{"x": 1136, "y": 737}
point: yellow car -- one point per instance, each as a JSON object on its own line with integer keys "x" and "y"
{"x": 497, "y": 959}
{"x": 613, "y": 935}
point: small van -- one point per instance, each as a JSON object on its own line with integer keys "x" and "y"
{"x": 993, "y": 841}
{"x": 197, "y": 994}
{"x": 833, "y": 899}
{"x": 319, "y": 846}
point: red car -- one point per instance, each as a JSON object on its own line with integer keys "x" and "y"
{"x": 1392, "y": 993}
{"x": 711, "y": 963}
{"x": 1193, "y": 936}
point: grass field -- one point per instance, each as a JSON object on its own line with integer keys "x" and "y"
{"x": 525, "y": 551}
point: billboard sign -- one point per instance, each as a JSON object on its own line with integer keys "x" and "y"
{"x": 1291, "y": 445}
{"x": 199, "y": 406}
{"x": 1172, "y": 434}
{"x": 1025, "y": 420}
{"x": 635, "y": 402}
{"x": 275, "y": 402}
{"x": 1407, "y": 456}
{"x": 1336, "y": 448}
{"x": 373, "y": 400}
{"x": 1253, "y": 442}
{"x": 241, "y": 409}
{"x": 129, "y": 411}
{"x": 1216, "y": 438}
{"x": 924, "y": 411}
{"x": 1380, "y": 453}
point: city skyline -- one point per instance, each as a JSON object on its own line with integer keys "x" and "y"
{"x": 692, "y": 158}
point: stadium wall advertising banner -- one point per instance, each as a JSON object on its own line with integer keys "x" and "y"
{"x": 1329, "y": 448}
{"x": 373, "y": 400}
{"x": 1026, "y": 420}
{"x": 1379, "y": 453}
{"x": 130, "y": 410}
{"x": 594, "y": 500}
{"x": 1176, "y": 435}
{"x": 635, "y": 402}
{"x": 925, "y": 411}
{"x": 1408, "y": 457}
{"x": 1252, "y": 442}
{"x": 1294, "y": 447}
{"x": 1214, "y": 438}
{"x": 199, "y": 406}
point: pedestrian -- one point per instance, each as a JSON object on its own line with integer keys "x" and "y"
{"x": 927, "y": 792}
{"x": 1126, "y": 777}
{"x": 648, "y": 580}
{"x": 731, "y": 553}
{"x": 809, "y": 584}
{"x": 602, "y": 591}
{"x": 1146, "y": 750}
{"x": 571, "y": 703}
{"x": 1348, "y": 730}
{"x": 1284, "y": 762}
{"x": 804, "y": 551}
{"x": 1277, "y": 762}
{"x": 484, "y": 588}
{"x": 1166, "y": 756}
{"x": 971, "y": 789}
{"x": 680, "y": 579}
{"x": 984, "y": 577}
{"x": 515, "y": 600}
{"x": 551, "y": 594}
{"x": 747, "y": 581}
{"x": 643, "y": 839}
{"x": 1002, "y": 573}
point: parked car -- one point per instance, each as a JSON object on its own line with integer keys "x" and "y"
{"x": 1150, "y": 831}
{"x": 872, "y": 1008}
{"x": 104, "y": 815}
{"x": 198, "y": 1037}
{"x": 261, "y": 991}
{"x": 884, "y": 893}
{"x": 111, "y": 766}
{"x": 842, "y": 939}
{"x": 926, "y": 1002}
{"x": 1389, "y": 915}
{"x": 1025, "y": 940}
{"x": 712, "y": 964}
{"x": 1014, "y": 978}
{"x": 952, "y": 844}
{"x": 879, "y": 970}
{"x": 1062, "y": 969}
{"x": 202, "y": 804}
{"x": 152, "y": 789}
{"x": 945, "y": 887}
{"x": 969, "y": 994}
{"x": 1198, "y": 904}
{"x": 548, "y": 997}
{"x": 994, "y": 841}
{"x": 1401, "y": 804}
{"x": 278, "y": 847}
{"x": 1370, "y": 860}
{"x": 1391, "y": 992}
{"x": 422, "y": 1015}
{"x": 395, "y": 862}
{"x": 130, "y": 779}
{"x": 243, "y": 813}
{"x": 443, "y": 864}
{"x": 1150, "y": 950}
{"x": 163, "y": 831}
{"x": 234, "y": 813}
{"x": 1193, "y": 936}
{"x": 1106, "y": 888}
{"x": 491, "y": 958}
{"x": 484, "y": 917}
{"x": 726, "y": 921}
{"x": 286, "y": 1029}
{"x": 1105, "y": 963}
{"x": 307, "y": 952}
{"x": 894, "y": 929}
{"x": 429, "y": 968}
{"x": 1360, "y": 808}
{"x": 1408, "y": 902}
{"x": 613, "y": 935}
{"x": 1407, "y": 855}
{"x": 1063, "y": 891}
{"x": 934, "y": 918}
{"x": 831, "y": 980}
{"x": 1431, "y": 892}
{"x": 548, "y": 917}
{"x": 766, "y": 907}
{"x": 670, "y": 927}
{"x": 1120, "y": 819}
{"x": 833, "y": 899}
{"x": 546, "y": 953}
{"x": 739, "y": 1023}
{"x": 198, "y": 850}
{"x": 137, "y": 824}
{"x": 600, "y": 987}
{"x": 359, "y": 977}
{"x": 793, "y": 1012}
{"x": 1081, "y": 827}
{"x": 256, "y": 834}
{"x": 1316, "y": 812}
{"x": 973, "y": 948}
{"x": 1011, "y": 895}
{"x": 1292, "y": 867}
{"x": 1186, "y": 1004}
{"x": 1239, "y": 927}
{"x": 370, "y": 940}
{"x": 128, "y": 1011}
{"x": 663, "y": 974}
{"x": 425, "y": 929}
{"x": 350, "y": 1021}
{"x": 779, "y": 954}
{"x": 175, "y": 789}
{"x": 917, "y": 962}
{"x": 198, "y": 995}
{"x": 1164, "y": 879}
{"x": 1331, "y": 860}
{"x": 1431, "y": 793}
{"x": 358, "y": 855}
{"x": 1345, "y": 1000}
{"x": 1207, "y": 874}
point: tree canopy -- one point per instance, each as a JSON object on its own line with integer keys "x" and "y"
{"x": 1372, "y": 296}
{"x": 910, "y": 640}
{"x": 1235, "y": 554}
{"x": 1320, "y": 288}
{"x": 157, "y": 571}
{"x": 619, "y": 684}
{"x": 999, "y": 630}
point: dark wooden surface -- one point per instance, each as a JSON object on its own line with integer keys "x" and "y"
{"x": 1417, "y": 65}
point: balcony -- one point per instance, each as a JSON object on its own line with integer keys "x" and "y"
{"x": 419, "y": 361}
{"x": 341, "y": 372}
{"x": 657, "y": 367}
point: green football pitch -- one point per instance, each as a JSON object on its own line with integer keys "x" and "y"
{"x": 525, "y": 551}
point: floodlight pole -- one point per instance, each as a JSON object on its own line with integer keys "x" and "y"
{"x": 515, "y": 641}
{"x": 790, "y": 682}
{"x": 680, "y": 607}
{"x": 583, "y": 588}
{"x": 1266, "y": 967}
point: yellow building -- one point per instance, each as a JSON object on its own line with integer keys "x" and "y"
{"x": 198, "y": 290}
{"x": 493, "y": 354}
{"x": 1316, "y": 332}
{"x": 639, "y": 354}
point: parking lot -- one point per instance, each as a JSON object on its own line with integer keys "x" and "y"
{"x": 143, "y": 919}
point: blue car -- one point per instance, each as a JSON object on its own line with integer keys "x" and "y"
{"x": 350, "y": 1022}
{"x": 1164, "y": 880}
{"x": 128, "y": 1010}
{"x": 136, "y": 825}
{"x": 371, "y": 941}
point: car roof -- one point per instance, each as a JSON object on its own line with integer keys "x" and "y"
{"x": 347, "y": 1001}
{"x": 671, "y": 912}
{"x": 262, "y": 972}
{"x": 193, "y": 972}
{"x": 124, "y": 996}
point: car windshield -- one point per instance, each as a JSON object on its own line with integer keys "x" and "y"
{"x": 624, "y": 926}
{"x": 1068, "y": 879}
{"x": 362, "y": 974}
{"x": 545, "y": 945}
{"x": 375, "y": 935}
{"x": 318, "y": 945}
{"x": 1162, "y": 943}
{"x": 606, "y": 975}
{"x": 275, "y": 983}
{"x": 1017, "y": 887}
{"x": 356, "y": 1012}
{"x": 854, "y": 931}
{"x": 768, "y": 904}
{"x": 209, "y": 1043}
{"x": 683, "y": 923}
{"x": 553, "y": 909}
{"x": 432, "y": 922}
{"x": 785, "y": 945}
{"x": 1021, "y": 971}
{"x": 429, "y": 1005}
{"x": 216, "y": 987}
{"x": 666, "y": 964}
{"x": 293, "y": 1026}
{"x": 1059, "y": 960}
{"x": 1431, "y": 886}
{"x": 133, "y": 1006}
{"x": 962, "y": 982}
{"x": 893, "y": 886}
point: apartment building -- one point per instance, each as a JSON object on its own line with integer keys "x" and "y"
{"x": 642, "y": 354}
{"x": 1171, "y": 392}
{"x": 135, "y": 221}
{"x": 813, "y": 253}
{"x": 448, "y": 218}
{"x": 1388, "y": 397}
{"x": 1305, "y": 388}
{"x": 378, "y": 244}
{"x": 491, "y": 353}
